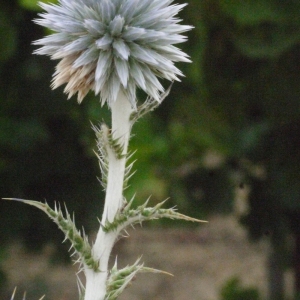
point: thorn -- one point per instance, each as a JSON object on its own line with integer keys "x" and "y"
{"x": 15, "y": 289}
{"x": 116, "y": 263}
{"x": 129, "y": 176}
{"x": 130, "y": 155}
{"x": 143, "y": 206}
{"x": 14, "y": 199}
{"x": 159, "y": 205}
{"x": 126, "y": 233}
{"x": 128, "y": 205}
{"x": 146, "y": 269}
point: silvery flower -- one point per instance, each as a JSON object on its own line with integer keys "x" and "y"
{"x": 108, "y": 45}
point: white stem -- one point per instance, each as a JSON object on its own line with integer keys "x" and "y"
{"x": 121, "y": 126}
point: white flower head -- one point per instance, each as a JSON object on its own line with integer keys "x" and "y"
{"x": 108, "y": 45}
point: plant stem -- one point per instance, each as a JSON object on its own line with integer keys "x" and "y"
{"x": 121, "y": 126}
{"x": 96, "y": 281}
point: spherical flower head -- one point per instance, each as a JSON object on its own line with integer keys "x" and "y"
{"x": 108, "y": 45}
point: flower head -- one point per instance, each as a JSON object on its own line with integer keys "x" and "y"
{"x": 108, "y": 45}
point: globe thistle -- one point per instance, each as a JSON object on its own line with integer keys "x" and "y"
{"x": 108, "y": 45}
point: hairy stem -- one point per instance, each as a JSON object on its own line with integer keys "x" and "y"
{"x": 121, "y": 126}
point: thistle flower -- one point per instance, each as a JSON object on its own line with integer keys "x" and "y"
{"x": 112, "y": 45}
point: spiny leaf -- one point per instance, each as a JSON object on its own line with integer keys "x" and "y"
{"x": 102, "y": 155}
{"x": 120, "y": 279}
{"x": 128, "y": 216}
{"x": 107, "y": 145}
{"x": 67, "y": 225}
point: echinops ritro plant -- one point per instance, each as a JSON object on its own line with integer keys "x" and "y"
{"x": 112, "y": 47}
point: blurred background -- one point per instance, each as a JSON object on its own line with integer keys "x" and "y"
{"x": 224, "y": 146}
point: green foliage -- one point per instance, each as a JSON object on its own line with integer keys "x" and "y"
{"x": 233, "y": 290}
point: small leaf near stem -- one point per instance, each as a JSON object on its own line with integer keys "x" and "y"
{"x": 129, "y": 216}
{"x": 119, "y": 279}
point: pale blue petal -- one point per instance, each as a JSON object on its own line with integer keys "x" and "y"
{"x": 105, "y": 42}
{"x": 150, "y": 36}
{"x": 108, "y": 10}
{"x": 163, "y": 62}
{"x": 170, "y": 40}
{"x": 151, "y": 78}
{"x": 128, "y": 9}
{"x": 137, "y": 74}
{"x": 78, "y": 45}
{"x": 176, "y": 28}
{"x": 47, "y": 50}
{"x": 141, "y": 54}
{"x": 114, "y": 87}
{"x": 55, "y": 39}
{"x": 173, "y": 53}
{"x": 141, "y": 8}
{"x": 104, "y": 63}
{"x": 86, "y": 57}
{"x": 147, "y": 20}
{"x": 116, "y": 26}
{"x": 95, "y": 27}
{"x": 132, "y": 33}
{"x": 158, "y": 4}
{"x": 122, "y": 70}
{"x": 121, "y": 49}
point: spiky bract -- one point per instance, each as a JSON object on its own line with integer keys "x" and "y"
{"x": 79, "y": 241}
{"x": 120, "y": 278}
{"x": 130, "y": 216}
{"x": 108, "y": 45}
